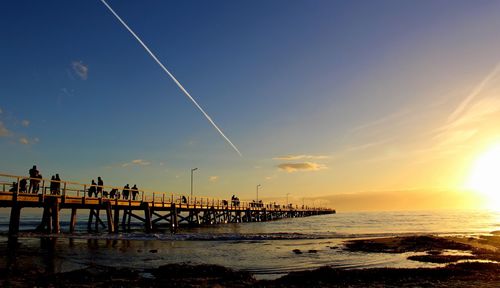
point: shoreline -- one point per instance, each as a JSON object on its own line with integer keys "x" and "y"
{"x": 464, "y": 261}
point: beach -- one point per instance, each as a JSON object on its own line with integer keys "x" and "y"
{"x": 475, "y": 266}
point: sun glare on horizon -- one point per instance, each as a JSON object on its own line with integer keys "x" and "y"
{"x": 485, "y": 176}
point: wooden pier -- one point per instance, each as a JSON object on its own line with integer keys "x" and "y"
{"x": 154, "y": 210}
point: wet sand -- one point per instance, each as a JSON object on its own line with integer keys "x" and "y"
{"x": 466, "y": 262}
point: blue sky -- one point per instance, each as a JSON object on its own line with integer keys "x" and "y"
{"x": 308, "y": 79}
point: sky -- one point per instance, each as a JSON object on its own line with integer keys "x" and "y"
{"x": 372, "y": 105}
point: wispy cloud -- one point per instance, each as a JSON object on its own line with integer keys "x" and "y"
{"x": 80, "y": 69}
{"x": 300, "y": 157}
{"x": 25, "y": 123}
{"x": 3, "y": 130}
{"x": 365, "y": 146}
{"x": 137, "y": 162}
{"x": 381, "y": 121}
{"x": 213, "y": 178}
{"x": 305, "y": 166}
{"x": 24, "y": 141}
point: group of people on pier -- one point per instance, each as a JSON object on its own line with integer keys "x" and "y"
{"x": 127, "y": 193}
{"x": 97, "y": 190}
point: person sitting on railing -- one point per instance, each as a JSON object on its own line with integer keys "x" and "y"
{"x": 112, "y": 193}
{"x": 224, "y": 203}
{"x": 13, "y": 187}
{"x": 92, "y": 189}
{"x": 33, "y": 172}
{"x": 100, "y": 183}
{"x": 134, "y": 191}
{"x": 184, "y": 199}
{"x": 22, "y": 185}
{"x": 125, "y": 192}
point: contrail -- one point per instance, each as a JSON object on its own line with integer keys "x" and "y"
{"x": 173, "y": 77}
{"x": 474, "y": 93}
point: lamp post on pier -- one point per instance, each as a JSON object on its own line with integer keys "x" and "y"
{"x": 258, "y": 192}
{"x": 287, "y": 198}
{"x": 192, "y": 170}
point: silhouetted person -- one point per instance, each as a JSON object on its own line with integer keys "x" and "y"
{"x": 112, "y": 193}
{"x": 92, "y": 189}
{"x": 53, "y": 185}
{"x": 125, "y": 192}
{"x": 99, "y": 186}
{"x": 13, "y": 187}
{"x": 135, "y": 191}
{"x": 33, "y": 172}
{"x": 184, "y": 199}
{"x": 22, "y": 185}
{"x": 36, "y": 188}
{"x": 58, "y": 185}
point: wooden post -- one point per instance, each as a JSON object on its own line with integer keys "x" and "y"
{"x": 97, "y": 220}
{"x": 15, "y": 218}
{"x": 173, "y": 218}
{"x": 124, "y": 219}
{"x": 109, "y": 217}
{"x": 46, "y": 224}
{"x": 117, "y": 218}
{"x": 148, "y": 225}
{"x": 72, "y": 222}
{"x": 129, "y": 218}
{"x": 91, "y": 217}
{"x": 55, "y": 216}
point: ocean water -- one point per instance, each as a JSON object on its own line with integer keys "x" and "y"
{"x": 264, "y": 249}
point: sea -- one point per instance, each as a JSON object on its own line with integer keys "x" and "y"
{"x": 266, "y": 249}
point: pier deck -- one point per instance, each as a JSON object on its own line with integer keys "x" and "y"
{"x": 153, "y": 209}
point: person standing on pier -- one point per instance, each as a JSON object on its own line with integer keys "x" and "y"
{"x": 33, "y": 172}
{"x": 58, "y": 185}
{"x": 135, "y": 191}
{"x": 92, "y": 188}
{"x": 36, "y": 188}
{"x": 100, "y": 183}
{"x": 125, "y": 192}
{"x": 53, "y": 185}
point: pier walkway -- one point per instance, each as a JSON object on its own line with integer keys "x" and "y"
{"x": 153, "y": 209}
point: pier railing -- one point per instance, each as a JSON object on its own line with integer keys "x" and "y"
{"x": 45, "y": 187}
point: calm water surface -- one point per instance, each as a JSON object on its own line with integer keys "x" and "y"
{"x": 265, "y": 249}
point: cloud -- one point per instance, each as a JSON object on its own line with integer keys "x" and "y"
{"x": 137, "y": 162}
{"x": 80, "y": 69}
{"x": 3, "y": 130}
{"x": 305, "y": 166}
{"x": 24, "y": 141}
{"x": 213, "y": 178}
{"x": 382, "y": 121}
{"x": 25, "y": 123}
{"x": 300, "y": 157}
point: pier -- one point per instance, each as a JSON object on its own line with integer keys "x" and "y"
{"x": 155, "y": 210}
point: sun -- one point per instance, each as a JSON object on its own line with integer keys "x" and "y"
{"x": 485, "y": 176}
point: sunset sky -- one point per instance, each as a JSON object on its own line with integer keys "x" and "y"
{"x": 359, "y": 106}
